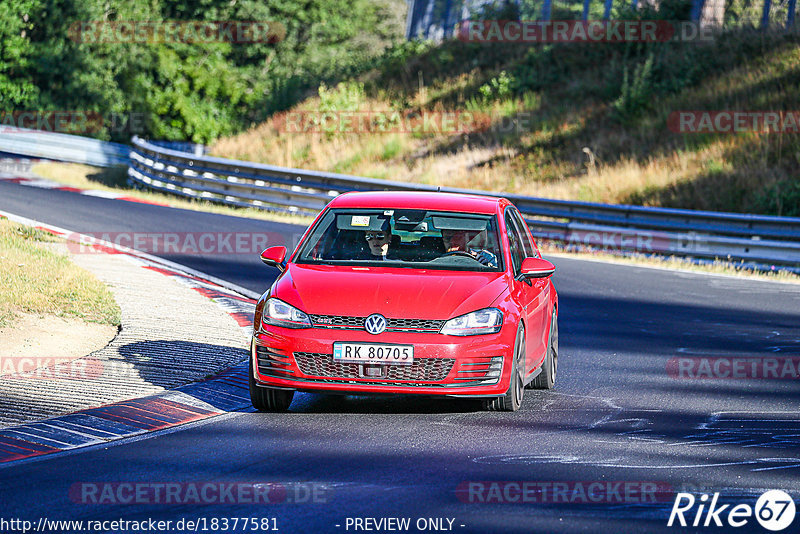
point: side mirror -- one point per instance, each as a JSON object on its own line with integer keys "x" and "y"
{"x": 274, "y": 257}
{"x": 537, "y": 268}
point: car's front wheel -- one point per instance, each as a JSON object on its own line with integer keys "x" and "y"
{"x": 547, "y": 378}
{"x": 513, "y": 397}
{"x": 268, "y": 399}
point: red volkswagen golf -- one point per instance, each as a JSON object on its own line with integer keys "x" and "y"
{"x": 411, "y": 293}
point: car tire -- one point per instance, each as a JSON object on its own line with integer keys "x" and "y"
{"x": 547, "y": 378}
{"x": 268, "y": 399}
{"x": 516, "y": 389}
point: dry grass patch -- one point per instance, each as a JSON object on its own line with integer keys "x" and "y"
{"x": 577, "y": 138}
{"x": 36, "y": 280}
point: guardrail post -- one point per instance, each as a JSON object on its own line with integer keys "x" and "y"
{"x": 765, "y": 15}
{"x": 586, "y": 10}
{"x": 790, "y": 15}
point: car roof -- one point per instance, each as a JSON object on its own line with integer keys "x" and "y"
{"x": 464, "y": 203}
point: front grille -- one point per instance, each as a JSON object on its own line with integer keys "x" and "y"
{"x": 414, "y": 325}
{"x": 337, "y": 321}
{"x": 273, "y": 362}
{"x": 392, "y": 325}
{"x": 315, "y": 364}
{"x": 323, "y": 366}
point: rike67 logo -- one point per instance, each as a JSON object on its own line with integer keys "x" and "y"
{"x": 774, "y": 510}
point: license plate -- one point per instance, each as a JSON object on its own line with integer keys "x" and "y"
{"x": 373, "y": 353}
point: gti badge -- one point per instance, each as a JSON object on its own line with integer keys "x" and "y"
{"x": 375, "y": 323}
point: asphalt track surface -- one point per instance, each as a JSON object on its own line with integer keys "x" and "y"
{"x": 617, "y": 415}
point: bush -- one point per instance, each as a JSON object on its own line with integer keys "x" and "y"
{"x": 498, "y": 88}
{"x": 781, "y": 198}
{"x": 636, "y": 91}
{"x": 346, "y": 96}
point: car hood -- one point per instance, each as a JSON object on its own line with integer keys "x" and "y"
{"x": 392, "y": 292}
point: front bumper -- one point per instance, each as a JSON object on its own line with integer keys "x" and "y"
{"x": 302, "y": 359}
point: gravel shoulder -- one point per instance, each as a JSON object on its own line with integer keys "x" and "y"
{"x": 29, "y": 342}
{"x": 170, "y": 335}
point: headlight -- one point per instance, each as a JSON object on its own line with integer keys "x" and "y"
{"x": 278, "y": 313}
{"x": 486, "y": 321}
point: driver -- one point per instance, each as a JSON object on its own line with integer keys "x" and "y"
{"x": 471, "y": 242}
{"x": 378, "y": 241}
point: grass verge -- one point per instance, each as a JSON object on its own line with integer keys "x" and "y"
{"x": 37, "y": 280}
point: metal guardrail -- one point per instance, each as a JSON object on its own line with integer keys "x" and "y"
{"x": 62, "y": 147}
{"x": 755, "y": 239}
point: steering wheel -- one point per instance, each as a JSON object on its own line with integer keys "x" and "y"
{"x": 459, "y": 253}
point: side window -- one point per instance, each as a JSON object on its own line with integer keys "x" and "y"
{"x": 527, "y": 243}
{"x": 514, "y": 242}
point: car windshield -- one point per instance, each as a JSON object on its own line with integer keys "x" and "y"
{"x": 419, "y": 239}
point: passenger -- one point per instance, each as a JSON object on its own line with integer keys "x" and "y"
{"x": 471, "y": 242}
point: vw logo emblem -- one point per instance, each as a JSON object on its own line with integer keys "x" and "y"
{"x": 375, "y": 323}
